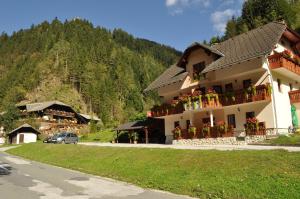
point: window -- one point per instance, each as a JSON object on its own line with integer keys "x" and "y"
{"x": 250, "y": 115}
{"x": 203, "y": 90}
{"x": 188, "y": 123}
{"x": 176, "y": 124}
{"x": 279, "y": 84}
{"x": 291, "y": 86}
{"x": 247, "y": 83}
{"x": 197, "y": 69}
{"x": 231, "y": 120}
{"x": 228, "y": 87}
{"x": 218, "y": 89}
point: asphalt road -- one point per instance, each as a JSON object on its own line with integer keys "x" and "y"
{"x": 32, "y": 180}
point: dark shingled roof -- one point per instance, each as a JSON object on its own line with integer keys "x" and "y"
{"x": 132, "y": 126}
{"x": 171, "y": 75}
{"x": 253, "y": 44}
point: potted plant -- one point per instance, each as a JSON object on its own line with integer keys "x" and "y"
{"x": 186, "y": 101}
{"x": 193, "y": 131}
{"x": 177, "y": 133}
{"x": 222, "y": 128}
{"x": 251, "y": 125}
{"x": 206, "y": 130}
{"x": 269, "y": 89}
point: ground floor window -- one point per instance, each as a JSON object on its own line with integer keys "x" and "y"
{"x": 188, "y": 123}
{"x": 250, "y": 115}
{"x": 176, "y": 124}
{"x": 231, "y": 120}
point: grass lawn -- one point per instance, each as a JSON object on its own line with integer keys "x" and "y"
{"x": 102, "y": 136}
{"x": 293, "y": 140}
{"x": 204, "y": 174}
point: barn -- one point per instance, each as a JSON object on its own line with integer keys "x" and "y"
{"x": 23, "y": 134}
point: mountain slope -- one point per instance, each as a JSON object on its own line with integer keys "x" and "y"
{"x": 89, "y": 67}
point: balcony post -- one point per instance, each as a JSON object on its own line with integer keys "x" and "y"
{"x": 211, "y": 118}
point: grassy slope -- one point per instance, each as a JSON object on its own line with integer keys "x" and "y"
{"x": 205, "y": 174}
{"x": 293, "y": 140}
{"x": 102, "y": 136}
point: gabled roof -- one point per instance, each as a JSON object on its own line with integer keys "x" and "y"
{"x": 253, "y": 44}
{"x": 170, "y": 76}
{"x": 24, "y": 126}
{"x": 197, "y": 45}
{"x": 43, "y": 105}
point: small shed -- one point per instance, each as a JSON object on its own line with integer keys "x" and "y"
{"x": 23, "y": 134}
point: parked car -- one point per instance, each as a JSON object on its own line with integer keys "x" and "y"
{"x": 65, "y": 138}
{"x": 48, "y": 139}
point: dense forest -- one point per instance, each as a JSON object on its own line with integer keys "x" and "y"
{"x": 256, "y": 13}
{"x": 91, "y": 68}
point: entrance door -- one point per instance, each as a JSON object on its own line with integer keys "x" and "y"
{"x": 21, "y": 138}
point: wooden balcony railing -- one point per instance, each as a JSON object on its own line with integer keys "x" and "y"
{"x": 59, "y": 113}
{"x": 294, "y": 96}
{"x": 213, "y": 100}
{"x": 279, "y": 61}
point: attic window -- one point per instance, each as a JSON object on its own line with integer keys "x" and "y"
{"x": 197, "y": 69}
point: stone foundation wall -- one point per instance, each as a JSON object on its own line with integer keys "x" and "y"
{"x": 220, "y": 141}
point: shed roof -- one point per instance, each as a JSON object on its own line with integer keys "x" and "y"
{"x": 132, "y": 126}
{"x": 24, "y": 126}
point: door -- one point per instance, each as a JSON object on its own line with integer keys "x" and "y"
{"x": 68, "y": 138}
{"x": 21, "y": 138}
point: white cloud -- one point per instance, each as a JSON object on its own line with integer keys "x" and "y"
{"x": 177, "y": 6}
{"x": 220, "y": 18}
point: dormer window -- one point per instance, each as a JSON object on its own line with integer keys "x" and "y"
{"x": 197, "y": 69}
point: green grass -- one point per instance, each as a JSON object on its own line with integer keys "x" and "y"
{"x": 102, "y": 136}
{"x": 204, "y": 174}
{"x": 293, "y": 140}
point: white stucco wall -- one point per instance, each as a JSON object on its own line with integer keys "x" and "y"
{"x": 28, "y": 137}
{"x": 282, "y": 100}
{"x": 263, "y": 112}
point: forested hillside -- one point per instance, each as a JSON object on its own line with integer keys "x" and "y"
{"x": 91, "y": 68}
{"x": 256, "y": 13}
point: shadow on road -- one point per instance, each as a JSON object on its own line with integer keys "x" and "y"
{"x": 5, "y": 169}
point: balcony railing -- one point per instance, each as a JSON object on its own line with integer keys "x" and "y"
{"x": 214, "y": 100}
{"x": 215, "y": 132}
{"x": 294, "y": 96}
{"x": 59, "y": 113}
{"x": 281, "y": 61}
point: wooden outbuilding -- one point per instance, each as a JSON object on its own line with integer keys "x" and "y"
{"x": 23, "y": 134}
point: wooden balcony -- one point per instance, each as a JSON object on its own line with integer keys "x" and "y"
{"x": 214, "y": 101}
{"x": 279, "y": 61}
{"x": 59, "y": 113}
{"x": 294, "y": 96}
{"x": 214, "y": 132}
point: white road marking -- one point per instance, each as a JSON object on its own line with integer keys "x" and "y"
{"x": 16, "y": 160}
{"x": 95, "y": 187}
{"x": 49, "y": 191}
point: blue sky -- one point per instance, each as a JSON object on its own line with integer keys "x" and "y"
{"x": 173, "y": 22}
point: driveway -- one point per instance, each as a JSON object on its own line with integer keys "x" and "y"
{"x": 202, "y": 147}
{"x": 32, "y": 180}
